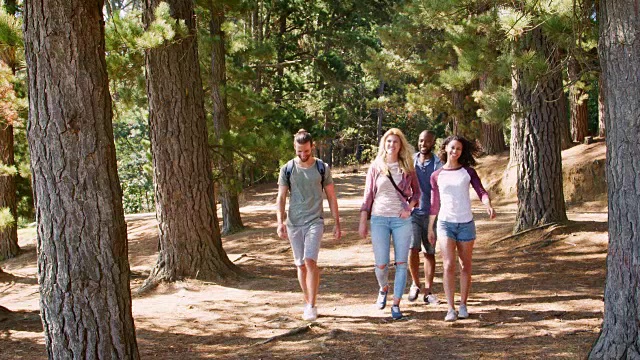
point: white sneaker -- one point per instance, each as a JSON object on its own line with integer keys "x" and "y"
{"x": 310, "y": 313}
{"x": 431, "y": 299}
{"x": 451, "y": 315}
{"x": 462, "y": 311}
{"x": 414, "y": 291}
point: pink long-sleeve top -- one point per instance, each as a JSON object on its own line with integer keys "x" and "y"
{"x": 408, "y": 184}
{"x": 450, "y": 198}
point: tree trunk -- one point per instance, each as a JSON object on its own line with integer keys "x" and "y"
{"x": 258, "y": 35}
{"x": 540, "y": 194}
{"x": 231, "y": 220}
{"x": 280, "y": 56}
{"x": 11, "y": 6}
{"x": 619, "y": 45}
{"x": 579, "y": 119}
{"x": 83, "y": 269}
{"x": 8, "y": 198}
{"x": 602, "y": 128}
{"x": 190, "y": 243}
{"x": 565, "y": 126}
{"x": 492, "y": 139}
{"x": 457, "y": 115}
{"x": 380, "y": 118}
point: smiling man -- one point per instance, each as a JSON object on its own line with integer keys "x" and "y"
{"x": 305, "y": 177}
{"x": 426, "y": 163}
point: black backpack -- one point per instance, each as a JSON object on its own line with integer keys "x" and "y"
{"x": 289, "y": 168}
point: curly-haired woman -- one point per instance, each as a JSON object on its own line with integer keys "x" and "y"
{"x": 456, "y": 230}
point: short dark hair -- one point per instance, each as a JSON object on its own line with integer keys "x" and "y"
{"x": 302, "y": 137}
{"x": 469, "y": 150}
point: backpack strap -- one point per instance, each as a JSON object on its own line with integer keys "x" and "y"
{"x": 321, "y": 169}
{"x": 287, "y": 172}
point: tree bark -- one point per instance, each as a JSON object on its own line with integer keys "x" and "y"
{"x": 619, "y": 49}
{"x": 579, "y": 118}
{"x": 83, "y": 269}
{"x": 565, "y": 126}
{"x": 540, "y": 193}
{"x": 602, "y": 127}
{"x": 492, "y": 139}
{"x": 8, "y": 198}
{"x": 190, "y": 243}
{"x": 231, "y": 219}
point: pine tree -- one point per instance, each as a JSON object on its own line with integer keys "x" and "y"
{"x": 618, "y": 48}
{"x": 83, "y": 267}
{"x": 190, "y": 242}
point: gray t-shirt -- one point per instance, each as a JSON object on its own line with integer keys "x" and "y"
{"x": 305, "y": 204}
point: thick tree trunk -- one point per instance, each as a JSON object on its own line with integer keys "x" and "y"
{"x": 8, "y": 198}
{"x": 540, "y": 194}
{"x": 190, "y": 243}
{"x": 579, "y": 119}
{"x": 231, "y": 220}
{"x": 492, "y": 139}
{"x": 619, "y": 49}
{"x": 83, "y": 269}
{"x": 602, "y": 127}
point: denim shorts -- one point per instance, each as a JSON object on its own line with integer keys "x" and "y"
{"x": 456, "y": 231}
{"x": 420, "y": 238}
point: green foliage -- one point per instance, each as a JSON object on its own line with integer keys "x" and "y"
{"x": 6, "y": 219}
{"x": 495, "y": 105}
{"x": 322, "y": 71}
{"x": 6, "y": 170}
{"x": 10, "y": 30}
{"x": 514, "y": 22}
{"x": 133, "y": 150}
{"x": 162, "y": 29}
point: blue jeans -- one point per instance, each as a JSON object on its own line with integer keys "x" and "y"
{"x": 400, "y": 230}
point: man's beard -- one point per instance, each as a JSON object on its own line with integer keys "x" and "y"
{"x": 304, "y": 159}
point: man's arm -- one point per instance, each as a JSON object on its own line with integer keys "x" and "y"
{"x": 333, "y": 205}
{"x": 281, "y": 201}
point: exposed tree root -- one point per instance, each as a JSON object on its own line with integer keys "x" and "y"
{"x": 524, "y": 232}
{"x": 292, "y": 332}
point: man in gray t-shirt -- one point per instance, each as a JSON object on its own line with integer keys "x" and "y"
{"x": 304, "y": 178}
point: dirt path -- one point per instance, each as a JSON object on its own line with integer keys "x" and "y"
{"x": 537, "y": 296}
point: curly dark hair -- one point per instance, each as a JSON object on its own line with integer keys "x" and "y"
{"x": 469, "y": 150}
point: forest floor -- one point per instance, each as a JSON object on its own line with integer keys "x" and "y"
{"x": 538, "y": 295}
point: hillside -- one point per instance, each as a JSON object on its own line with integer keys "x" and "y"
{"x": 584, "y": 180}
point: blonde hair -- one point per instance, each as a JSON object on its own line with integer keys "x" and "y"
{"x": 405, "y": 155}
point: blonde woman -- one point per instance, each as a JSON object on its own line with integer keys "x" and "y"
{"x": 391, "y": 192}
